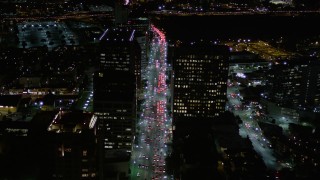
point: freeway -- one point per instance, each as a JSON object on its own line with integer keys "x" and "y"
{"x": 154, "y": 126}
{"x": 232, "y": 13}
{"x": 72, "y": 15}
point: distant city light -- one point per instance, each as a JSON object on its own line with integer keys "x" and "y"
{"x": 241, "y": 75}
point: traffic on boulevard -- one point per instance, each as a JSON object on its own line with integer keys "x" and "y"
{"x": 154, "y": 126}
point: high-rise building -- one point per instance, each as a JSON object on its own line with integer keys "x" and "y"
{"x": 114, "y": 95}
{"x": 115, "y": 87}
{"x": 141, "y": 26}
{"x": 120, "y": 52}
{"x": 114, "y": 104}
{"x": 121, "y": 12}
{"x": 295, "y": 83}
{"x": 200, "y": 74}
{"x": 142, "y": 40}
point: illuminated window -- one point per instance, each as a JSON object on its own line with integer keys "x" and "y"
{"x": 85, "y": 175}
{"x": 84, "y": 153}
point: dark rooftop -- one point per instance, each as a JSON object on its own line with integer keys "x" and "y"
{"x": 118, "y": 35}
{"x": 72, "y": 121}
{"x": 9, "y": 100}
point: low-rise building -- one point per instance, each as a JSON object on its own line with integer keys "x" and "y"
{"x": 9, "y": 104}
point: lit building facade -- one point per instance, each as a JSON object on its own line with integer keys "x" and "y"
{"x": 115, "y": 86}
{"x": 114, "y": 96}
{"x": 9, "y": 103}
{"x": 120, "y": 52}
{"x": 141, "y": 25}
{"x": 200, "y": 74}
{"x": 114, "y": 104}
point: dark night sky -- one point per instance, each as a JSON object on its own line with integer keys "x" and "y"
{"x": 245, "y": 26}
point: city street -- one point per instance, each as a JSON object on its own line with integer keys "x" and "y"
{"x": 250, "y": 128}
{"x": 154, "y": 126}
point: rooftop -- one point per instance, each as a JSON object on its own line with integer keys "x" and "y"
{"x": 9, "y": 100}
{"x": 72, "y": 121}
{"x": 118, "y": 35}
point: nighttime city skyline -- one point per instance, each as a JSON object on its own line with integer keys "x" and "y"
{"x": 160, "y": 89}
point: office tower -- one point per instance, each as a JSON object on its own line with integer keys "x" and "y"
{"x": 200, "y": 73}
{"x": 141, "y": 26}
{"x": 115, "y": 87}
{"x": 114, "y": 104}
{"x": 74, "y": 145}
{"x": 121, "y": 12}
{"x": 295, "y": 83}
{"x": 120, "y": 52}
{"x": 142, "y": 40}
{"x": 114, "y": 99}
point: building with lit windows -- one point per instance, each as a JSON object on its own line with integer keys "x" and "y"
{"x": 114, "y": 95}
{"x": 295, "y": 83}
{"x": 200, "y": 74}
{"x": 119, "y": 51}
{"x": 9, "y": 103}
{"x": 142, "y": 40}
{"x": 115, "y": 87}
{"x": 114, "y": 104}
{"x": 141, "y": 25}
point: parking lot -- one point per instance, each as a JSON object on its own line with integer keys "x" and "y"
{"x": 49, "y": 33}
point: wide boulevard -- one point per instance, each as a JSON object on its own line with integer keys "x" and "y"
{"x": 154, "y": 125}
